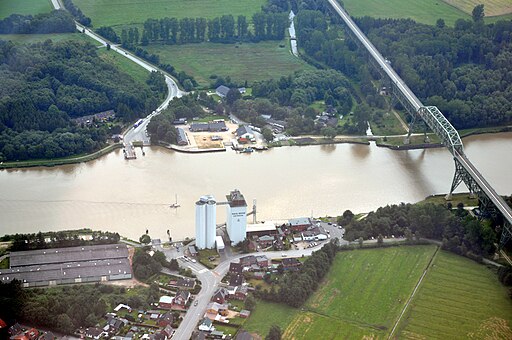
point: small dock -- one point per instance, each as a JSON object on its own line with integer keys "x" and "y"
{"x": 129, "y": 152}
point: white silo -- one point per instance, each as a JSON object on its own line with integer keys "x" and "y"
{"x": 201, "y": 223}
{"x": 211, "y": 220}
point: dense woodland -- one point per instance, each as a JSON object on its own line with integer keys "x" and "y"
{"x": 57, "y": 21}
{"x": 466, "y": 70}
{"x": 43, "y": 86}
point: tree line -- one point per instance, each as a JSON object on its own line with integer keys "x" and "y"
{"x": 59, "y": 239}
{"x": 77, "y": 13}
{"x": 44, "y": 85}
{"x": 57, "y": 21}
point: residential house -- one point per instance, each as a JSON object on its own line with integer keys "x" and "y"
{"x": 167, "y": 332}
{"x": 186, "y": 283}
{"x": 93, "y": 332}
{"x": 181, "y": 137}
{"x": 215, "y": 308}
{"x": 217, "y": 335}
{"x": 220, "y": 295}
{"x": 206, "y": 325}
{"x": 244, "y": 134}
{"x": 241, "y": 293}
{"x": 262, "y": 261}
{"x": 32, "y": 334}
{"x": 247, "y": 261}
{"x": 165, "y": 302}
{"x": 181, "y": 298}
{"x": 222, "y": 91}
{"x": 266, "y": 241}
{"x": 299, "y": 224}
{"x": 291, "y": 263}
{"x": 165, "y": 319}
{"x": 236, "y": 280}
{"x": 235, "y": 268}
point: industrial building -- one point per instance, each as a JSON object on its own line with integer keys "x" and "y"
{"x": 47, "y": 267}
{"x": 206, "y": 216}
{"x": 236, "y": 212}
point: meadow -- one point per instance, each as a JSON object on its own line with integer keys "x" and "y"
{"x": 492, "y": 7}
{"x": 458, "y": 299}
{"x": 241, "y": 62}
{"x": 25, "y": 7}
{"x": 425, "y": 11}
{"x": 267, "y": 314}
{"x": 118, "y": 12}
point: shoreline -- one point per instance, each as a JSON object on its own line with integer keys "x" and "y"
{"x": 320, "y": 141}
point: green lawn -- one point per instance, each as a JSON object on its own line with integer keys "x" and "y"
{"x": 55, "y": 37}
{"x": 8, "y": 7}
{"x": 267, "y": 314}
{"x": 459, "y": 299}
{"x": 118, "y": 12}
{"x": 248, "y": 61}
{"x": 370, "y": 287}
{"x": 388, "y": 124}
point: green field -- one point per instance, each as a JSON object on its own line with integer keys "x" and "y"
{"x": 8, "y": 7}
{"x": 459, "y": 299}
{"x": 267, "y": 314}
{"x": 369, "y": 288}
{"x": 425, "y": 11}
{"x": 138, "y": 73}
{"x": 118, "y": 12}
{"x": 250, "y": 61}
{"x": 55, "y": 37}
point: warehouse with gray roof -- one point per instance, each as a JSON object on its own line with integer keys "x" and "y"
{"x": 55, "y": 266}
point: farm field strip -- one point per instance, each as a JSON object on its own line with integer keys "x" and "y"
{"x": 119, "y": 12}
{"x": 457, "y": 298}
{"x": 492, "y": 7}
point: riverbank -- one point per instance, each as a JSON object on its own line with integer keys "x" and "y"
{"x": 61, "y": 161}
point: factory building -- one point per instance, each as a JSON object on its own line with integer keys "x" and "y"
{"x": 236, "y": 217}
{"x": 206, "y": 216}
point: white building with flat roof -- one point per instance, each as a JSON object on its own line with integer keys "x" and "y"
{"x": 206, "y": 216}
{"x": 236, "y": 212}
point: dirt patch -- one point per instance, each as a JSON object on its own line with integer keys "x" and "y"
{"x": 493, "y": 328}
{"x": 204, "y": 141}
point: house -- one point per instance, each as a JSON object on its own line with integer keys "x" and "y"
{"x": 242, "y": 90}
{"x": 244, "y": 335}
{"x": 262, "y": 261}
{"x": 291, "y": 263}
{"x": 258, "y": 275}
{"x": 244, "y": 134}
{"x": 222, "y": 91}
{"x": 235, "y": 268}
{"x": 15, "y": 329}
{"x": 247, "y": 261}
{"x": 215, "y": 308}
{"x": 236, "y": 280}
{"x": 265, "y": 241}
{"x": 217, "y": 126}
{"x": 299, "y": 224}
{"x": 47, "y": 336}
{"x": 186, "y": 283}
{"x": 308, "y": 235}
{"x": 180, "y": 121}
{"x": 167, "y": 332}
{"x": 32, "y": 334}
{"x": 220, "y": 295}
{"x": 165, "y": 302}
{"x": 121, "y": 306}
{"x": 199, "y": 127}
{"x": 181, "y": 137}
{"x": 165, "y": 319}
{"x": 245, "y": 313}
{"x": 241, "y": 293}
{"x": 206, "y": 325}
{"x": 217, "y": 335}
{"x": 93, "y": 332}
{"x": 181, "y": 298}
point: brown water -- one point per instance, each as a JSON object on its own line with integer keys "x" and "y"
{"x": 132, "y": 196}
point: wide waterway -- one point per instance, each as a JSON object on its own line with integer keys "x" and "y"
{"x": 132, "y": 196}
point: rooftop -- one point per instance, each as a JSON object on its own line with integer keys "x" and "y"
{"x": 236, "y": 199}
{"x": 266, "y": 226}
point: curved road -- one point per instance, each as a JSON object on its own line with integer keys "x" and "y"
{"x": 172, "y": 88}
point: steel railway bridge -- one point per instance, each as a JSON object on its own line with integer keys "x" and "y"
{"x": 491, "y": 203}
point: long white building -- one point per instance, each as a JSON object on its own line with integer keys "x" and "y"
{"x": 206, "y": 217}
{"x": 236, "y": 217}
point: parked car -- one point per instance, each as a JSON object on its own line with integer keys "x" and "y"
{"x": 196, "y": 302}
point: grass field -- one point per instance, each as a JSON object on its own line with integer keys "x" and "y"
{"x": 369, "y": 288}
{"x": 425, "y": 11}
{"x": 118, "y": 12}
{"x": 459, "y": 299}
{"x": 8, "y": 7}
{"x": 251, "y": 62}
{"x": 36, "y": 38}
{"x": 492, "y": 7}
{"x": 138, "y": 73}
{"x": 267, "y": 314}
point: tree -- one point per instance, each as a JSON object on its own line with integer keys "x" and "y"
{"x": 267, "y": 134}
{"x": 232, "y": 96}
{"x": 478, "y": 13}
{"x": 440, "y": 23}
{"x": 380, "y": 240}
{"x": 65, "y": 324}
{"x": 274, "y": 333}
{"x": 145, "y": 239}
{"x": 250, "y": 303}
{"x": 329, "y": 132}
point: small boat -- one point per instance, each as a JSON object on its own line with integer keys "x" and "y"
{"x": 247, "y": 150}
{"x": 175, "y": 205}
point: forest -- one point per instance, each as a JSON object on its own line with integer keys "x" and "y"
{"x": 44, "y": 86}
{"x": 57, "y": 21}
{"x": 465, "y": 70}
